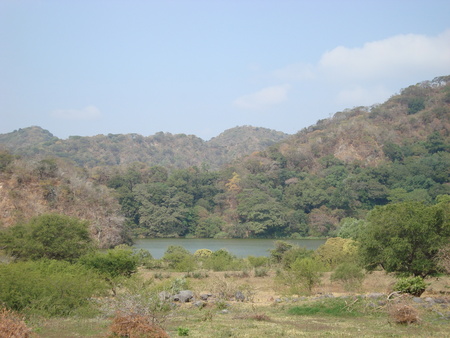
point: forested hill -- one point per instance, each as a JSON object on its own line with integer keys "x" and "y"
{"x": 165, "y": 149}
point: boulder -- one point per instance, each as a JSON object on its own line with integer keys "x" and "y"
{"x": 184, "y": 296}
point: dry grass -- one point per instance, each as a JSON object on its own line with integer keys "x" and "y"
{"x": 12, "y": 325}
{"x": 403, "y": 314}
{"x": 135, "y": 326}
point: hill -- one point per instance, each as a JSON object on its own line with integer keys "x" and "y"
{"x": 165, "y": 149}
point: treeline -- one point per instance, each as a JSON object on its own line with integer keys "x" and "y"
{"x": 262, "y": 196}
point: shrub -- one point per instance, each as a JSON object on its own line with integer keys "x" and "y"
{"x": 48, "y": 287}
{"x": 222, "y": 260}
{"x": 183, "y": 331}
{"x": 329, "y": 307}
{"x": 13, "y": 325}
{"x": 302, "y": 276}
{"x": 349, "y": 274}
{"x": 49, "y": 236}
{"x": 179, "y": 259}
{"x": 412, "y": 285}
{"x": 257, "y": 262}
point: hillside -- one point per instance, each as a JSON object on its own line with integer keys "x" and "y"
{"x": 165, "y": 149}
{"x": 29, "y": 188}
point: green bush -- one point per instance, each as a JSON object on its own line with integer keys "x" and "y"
{"x": 349, "y": 274}
{"x": 222, "y": 260}
{"x": 50, "y": 236}
{"x": 303, "y": 275}
{"x": 48, "y": 287}
{"x": 257, "y": 262}
{"x": 179, "y": 259}
{"x": 412, "y": 285}
{"x": 329, "y": 307}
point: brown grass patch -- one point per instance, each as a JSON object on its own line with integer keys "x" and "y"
{"x": 13, "y": 325}
{"x": 135, "y": 326}
{"x": 403, "y": 314}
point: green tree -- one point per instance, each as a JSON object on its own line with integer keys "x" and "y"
{"x": 405, "y": 237}
{"x": 302, "y": 276}
{"x": 49, "y": 236}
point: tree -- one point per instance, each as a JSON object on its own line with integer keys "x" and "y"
{"x": 50, "y": 236}
{"x": 405, "y": 237}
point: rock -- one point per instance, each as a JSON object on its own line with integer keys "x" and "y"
{"x": 239, "y": 296}
{"x": 225, "y": 311}
{"x": 205, "y": 296}
{"x": 429, "y": 300}
{"x": 375, "y": 295}
{"x": 200, "y": 304}
{"x": 184, "y": 296}
{"x": 164, "y": 295}
{"x": 417, "y": 300}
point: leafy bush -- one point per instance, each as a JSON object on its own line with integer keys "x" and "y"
{"x": 48, "y": 287}
{"x": 257, "y": 262}
{"x": 412, "y": 285}
{"x": 222, "y": 260}
{"x": 179, "y": 259}
{"x": 349, "y": 274}
{"x": 49, "y": 236}
{"x": 302, "y": 276}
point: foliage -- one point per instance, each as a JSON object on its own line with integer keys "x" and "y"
{"x": 179, "y": 259}
{"x": 349, "y": 274}
{"x": 336, "y": 251}
{"x": 405, "y": 237}
{"x": 257, "y": 262}
{"x": 303, "y": 275}
{"x": 183, "y": 331}
{"x": 48, "y": 287}
{"x": 120, "y": 261}
{"x": 412, "y": 285}
{"x": 222, "y": 260}
{"x": 49, "y": 236}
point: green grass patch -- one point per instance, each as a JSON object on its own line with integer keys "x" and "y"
{"x": 330, "y": 307}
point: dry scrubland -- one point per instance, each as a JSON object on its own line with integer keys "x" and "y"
{"x": 333, "y": 311}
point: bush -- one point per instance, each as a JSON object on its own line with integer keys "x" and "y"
{"x": 257, "y": 262}
{"x": 350, "y": 275}
{"x": 222, "y": 260}
{"x": 412, "y": 285}
{"x": 302, "y": 276}
{"x": 179, "y": 259}
{"x": 48, "y": 287}
{"x": 50, "y": 236}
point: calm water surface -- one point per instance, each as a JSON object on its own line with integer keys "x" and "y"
{"x": 238, "y": 247}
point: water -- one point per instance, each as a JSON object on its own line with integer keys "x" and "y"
{"x": 239, "y": 247}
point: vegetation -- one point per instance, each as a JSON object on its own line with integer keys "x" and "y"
{"x": 374, "y": 181}
{"x": 48, "y": 236}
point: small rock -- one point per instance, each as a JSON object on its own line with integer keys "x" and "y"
{"x": 375, "y": 295}
{"x": 239, "y": 296}
{"x": 417, "y": 300}
{"x": 199, "y": 304}
{"x": 224, "y": 311}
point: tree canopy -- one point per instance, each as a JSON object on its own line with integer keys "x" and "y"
{"x": 405, "y": 237}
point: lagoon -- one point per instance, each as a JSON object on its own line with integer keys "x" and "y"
{"x": 238, "y": 247}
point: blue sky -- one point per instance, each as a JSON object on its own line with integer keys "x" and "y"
{"x": 200, "y": 67}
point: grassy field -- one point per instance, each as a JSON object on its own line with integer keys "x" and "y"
{"x": 269, "y": 312}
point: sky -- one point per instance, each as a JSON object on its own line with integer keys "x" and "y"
{"x": 199, "y": 67}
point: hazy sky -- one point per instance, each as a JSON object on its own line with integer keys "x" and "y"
{"x": 200, "y": 67}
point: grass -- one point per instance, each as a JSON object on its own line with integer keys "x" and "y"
{"x": 273, "y": 314}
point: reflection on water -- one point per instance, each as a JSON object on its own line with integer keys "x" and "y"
{"x": 238, "y": 247}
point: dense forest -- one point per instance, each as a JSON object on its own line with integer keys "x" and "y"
{"x": 316, "y": 183}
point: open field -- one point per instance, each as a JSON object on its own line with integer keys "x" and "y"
{"x": 330, "y": 311}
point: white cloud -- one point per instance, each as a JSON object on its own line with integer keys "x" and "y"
{"x": 87, "y": 113}
{"x": 263, "y": 98}
{"x": 295, "y": 72}
{"x": 361, "y": 96}
{"x": 396, "y": 56}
